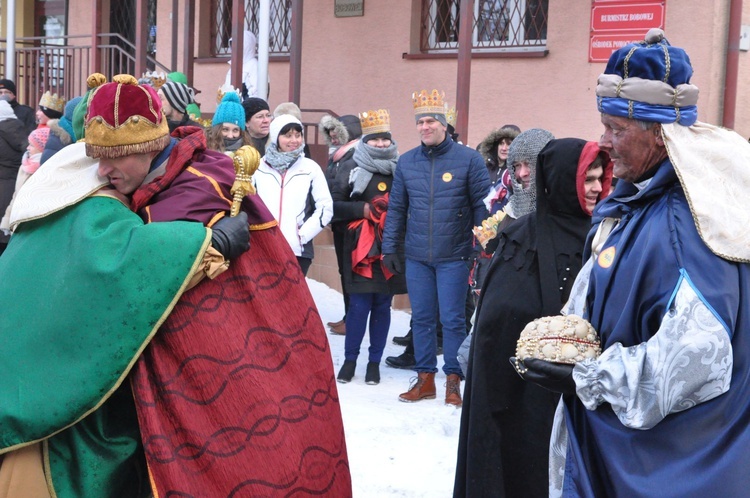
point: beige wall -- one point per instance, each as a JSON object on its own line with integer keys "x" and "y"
{"x": 354, "y": 64}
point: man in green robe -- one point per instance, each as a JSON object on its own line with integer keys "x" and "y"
{"x": 86, "y": 285}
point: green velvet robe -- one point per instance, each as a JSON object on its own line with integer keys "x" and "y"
{"x": 84, "y": 290}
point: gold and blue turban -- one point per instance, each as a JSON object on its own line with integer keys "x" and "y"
{"x": 650, "y": 81}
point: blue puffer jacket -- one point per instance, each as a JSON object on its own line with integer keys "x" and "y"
{"x": 437, "y": 198}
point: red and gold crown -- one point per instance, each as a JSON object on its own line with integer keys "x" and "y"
{"x": 52, "y": 101}
{"x": 125, "y": 118}
{"x": 375, "y": 122}
{"x": 450, "y": 115}
{"x": 429, "y": 103}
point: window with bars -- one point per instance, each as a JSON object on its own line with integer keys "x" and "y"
{"x": 280, "y": 30}
{"x": 498, "y": 25}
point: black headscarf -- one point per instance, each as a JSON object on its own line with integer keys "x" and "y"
{"x": 561, "y": 224}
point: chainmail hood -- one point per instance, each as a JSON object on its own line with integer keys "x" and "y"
{"x": 525, "y": 147}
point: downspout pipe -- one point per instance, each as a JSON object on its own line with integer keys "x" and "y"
{"x": 238, "y": 41}
{"x": 463, "y": 83}
{"x": 732, "y": 64}
{"x": 10, "y": 45}
{"x": 264, "y": 34}
{"x": 295, "y": 53}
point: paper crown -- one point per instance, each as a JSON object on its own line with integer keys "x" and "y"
{"x": 450, "y": 115}
{"x": 429, "y": 103}
{"x": 125, "y": 118}
{"x": 154, "y": 79}
{"x": 375, "y": 122}
{"x": 224, "y": 89}
{"x": 52, "y": 101}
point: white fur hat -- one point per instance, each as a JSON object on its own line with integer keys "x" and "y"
{"x": 6, "y": 111}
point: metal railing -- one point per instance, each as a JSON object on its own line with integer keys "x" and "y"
{"x": 64, "y": 68}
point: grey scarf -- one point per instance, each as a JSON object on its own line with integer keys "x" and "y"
{"x": 281, "y": 161}
{"x": 232, "y": 144}
{"x": 371, "y": 160}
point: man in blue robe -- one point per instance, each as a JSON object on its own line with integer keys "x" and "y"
{"x": 665, "y": 409}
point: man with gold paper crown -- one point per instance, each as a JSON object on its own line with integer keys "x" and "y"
{"x": 227, "y": 399}
{"x": 435, "y": 200}
{"x": 664, "y": 409}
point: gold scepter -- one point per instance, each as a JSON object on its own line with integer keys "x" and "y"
{"x": 246, "y": 161}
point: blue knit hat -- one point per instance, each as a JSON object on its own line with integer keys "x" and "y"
{"x": 66, "y": 121}
{"x": 650, "y": 81}
{"x": 230, "y": 111}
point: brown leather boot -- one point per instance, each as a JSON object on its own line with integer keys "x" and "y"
{"x": 423, "y": 388}
{"x": 453, "y": 390}
{"x": 338, "y": 328}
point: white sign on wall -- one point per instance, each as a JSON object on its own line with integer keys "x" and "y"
{"x": 349, "y": 8}
{"x": 745, "y": 38}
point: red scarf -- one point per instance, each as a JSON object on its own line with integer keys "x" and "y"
{"x": 367, "y": 250}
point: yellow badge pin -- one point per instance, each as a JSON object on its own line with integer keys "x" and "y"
{"x": 607, "y": 257}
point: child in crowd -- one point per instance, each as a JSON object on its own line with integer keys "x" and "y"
{"x": 29, "y": 164}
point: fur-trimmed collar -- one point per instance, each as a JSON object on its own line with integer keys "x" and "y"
{"x": 54, "y": 127}
{"x": 329, "y": 125}
{"x": 488, "y": 147}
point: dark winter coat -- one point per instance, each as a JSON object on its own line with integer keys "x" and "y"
{"x": 25, "y": 114}
{"x": 348, "y": 212}
{"x": 437, "y": 198}
{"x": 185, "y": 121}
{"x": 13, "y": 143}
{"x": 260, "y": 144}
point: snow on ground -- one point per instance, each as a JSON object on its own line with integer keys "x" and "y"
{"x": 395, "y": 449}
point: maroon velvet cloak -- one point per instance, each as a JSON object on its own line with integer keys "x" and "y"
{"x": 236, "y": 394}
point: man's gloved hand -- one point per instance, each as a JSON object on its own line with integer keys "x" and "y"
{"x": 393, "y": 263}
{"x": 554, "y": 377}
{"x": 231, "y": 236}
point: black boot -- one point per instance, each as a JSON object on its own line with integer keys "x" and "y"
{"x": 404, "y": 360}
{"x": 347, "y": 371}
{"x": 372, "y": 376}
{"x": 402, "y": 340}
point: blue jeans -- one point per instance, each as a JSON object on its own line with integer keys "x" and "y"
{"x": 376, "y": 307}
{"x": 431, "y": 284}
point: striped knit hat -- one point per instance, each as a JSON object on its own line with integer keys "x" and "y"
{"x": 178, "y": 95}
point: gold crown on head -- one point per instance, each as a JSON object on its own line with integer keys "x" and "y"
{"x": 428, "y": 103}
{"x": 450, "y": 115}
{"x": 156, "y": 79}
{"x": 375, "y": 122}
{"x": 52, "y": 101}
{"x": 223, "y": 89}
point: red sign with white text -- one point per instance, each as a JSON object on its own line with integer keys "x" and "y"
{"x": 602, "y": 46}
{"x": 614, "y": 24}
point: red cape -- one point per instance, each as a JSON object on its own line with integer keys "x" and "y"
{"x": 236, "y": 394}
